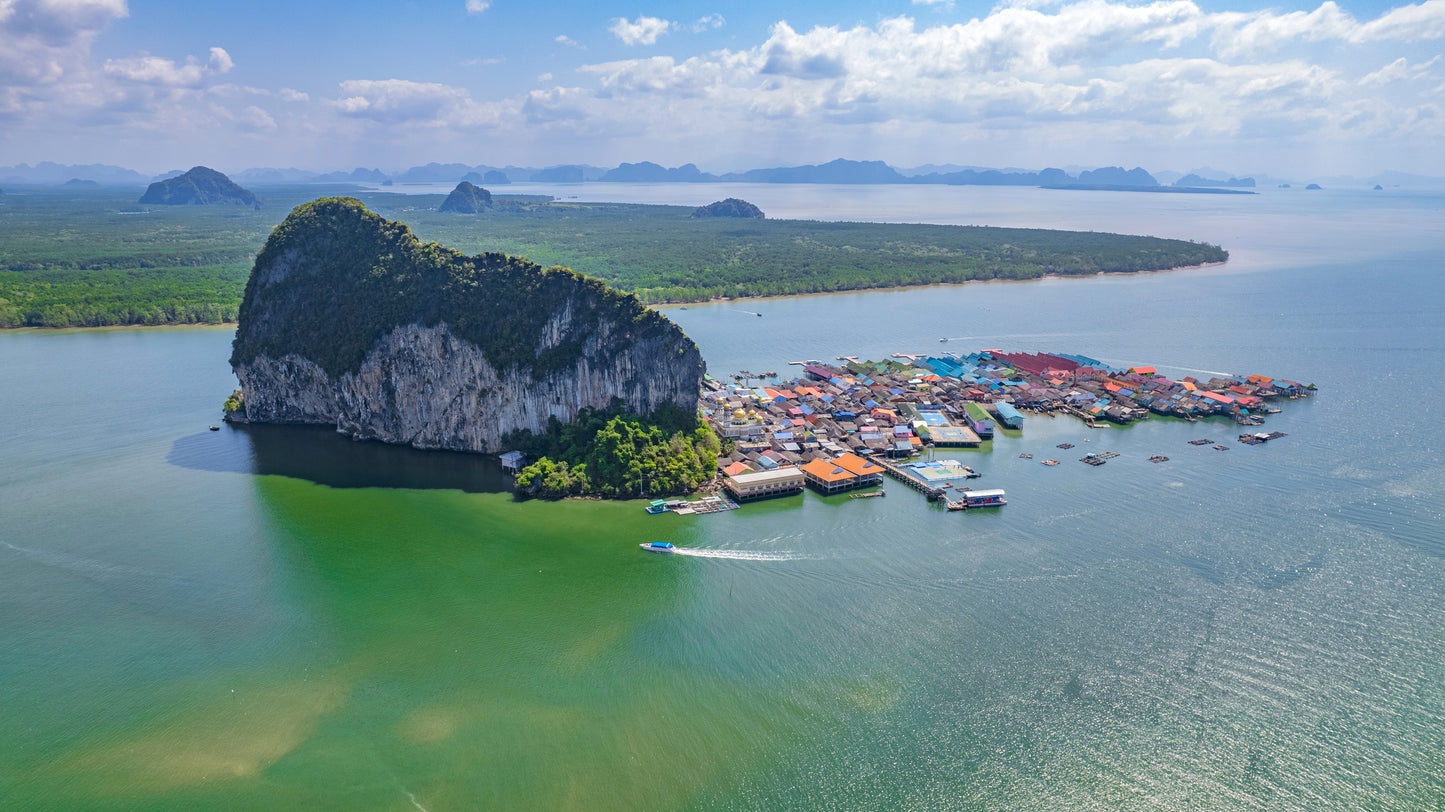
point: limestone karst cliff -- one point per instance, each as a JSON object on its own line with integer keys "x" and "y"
{"x": 349, "y": 320}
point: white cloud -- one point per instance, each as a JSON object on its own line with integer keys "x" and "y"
{"x": 254, "y": 119}
{"x": 478, "y": 6}
{"x": 1406, "y": 24}
{"x": 231, "y": 91}
{"x": 708, "y": 22}
{"x": 1028, "y": 76}
{"x": 641, "y": 31}
{"x": 403, "y": 102}
{"x": 221, "y": 61}
{"x": 43, "y": 42}
{"x": 155, "y": 70}
{"x": 1167, "y": 72}
{"x": 1402, "y": 71}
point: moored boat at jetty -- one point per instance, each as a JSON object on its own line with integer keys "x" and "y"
{"x": 979, "y": 499}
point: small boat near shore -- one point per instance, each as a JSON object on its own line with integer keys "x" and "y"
{"x": 659, "y": 547}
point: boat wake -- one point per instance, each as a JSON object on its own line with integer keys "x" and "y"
{"x": 1007, "y": 335}
{"x": 1216, "y": 373}
{"x": 739, "y": 555}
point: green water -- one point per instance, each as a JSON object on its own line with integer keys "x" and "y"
{"x": 279, "y": 618}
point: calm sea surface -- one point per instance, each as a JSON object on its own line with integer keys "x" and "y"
{"x": 278, "y": 618}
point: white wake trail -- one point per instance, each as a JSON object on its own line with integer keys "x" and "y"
{"x": 740, "y": 555}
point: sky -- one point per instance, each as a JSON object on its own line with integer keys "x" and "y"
{"x": 1239, "y": 85}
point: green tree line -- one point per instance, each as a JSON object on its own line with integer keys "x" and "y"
{"x": 86, "y": 258}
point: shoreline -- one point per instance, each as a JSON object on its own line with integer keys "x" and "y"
{"x": 678, "y": 304}
{"x": 115, "y": 328}
{"x": 894, "y": 288}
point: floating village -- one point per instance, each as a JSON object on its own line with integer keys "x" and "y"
{"x": 848, "y": 425}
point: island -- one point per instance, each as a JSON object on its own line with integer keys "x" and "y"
{"x": 200, "y": 186}
{"x": 467, "y": 199}
{"x": 349, "y": 320}
{"x": 731, "y": 207}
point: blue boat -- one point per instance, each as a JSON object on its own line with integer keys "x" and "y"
{"x": 659, "y": 547}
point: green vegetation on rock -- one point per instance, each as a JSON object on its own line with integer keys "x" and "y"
{"x": 234, "y": 403}
{"x": 731, "y": 207}
{"x": 334, "y": 277}
{"x": 618, "y": 455}
{"x": 201, "y": 186}
{"x": 467, "y": 199}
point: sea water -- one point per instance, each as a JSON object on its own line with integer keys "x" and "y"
{"x": 277, "y": 617}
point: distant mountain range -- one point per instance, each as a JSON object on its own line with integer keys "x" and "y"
{"x": 840, "y": 171}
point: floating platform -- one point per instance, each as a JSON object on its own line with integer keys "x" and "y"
{"x": 979, "y": 499}
{"x": 708, "y": 504}
{"x": 1064, "y": 445}
{"x": 1256, "y": 439}
{"x": 1200, "y": 442}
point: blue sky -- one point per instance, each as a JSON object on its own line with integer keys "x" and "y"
{"x": 1243, "y": 86}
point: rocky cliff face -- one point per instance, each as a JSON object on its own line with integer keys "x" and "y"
{"x": 455, "y": 352}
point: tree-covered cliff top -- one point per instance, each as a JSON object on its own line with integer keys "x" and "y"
{"x": 334, "y": 277}
{"x": 467, "y": 199}
{"x": 200, "y": 186}
{"x": 731, "y": 207}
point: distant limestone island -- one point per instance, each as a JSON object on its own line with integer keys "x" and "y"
{"x": 1117, "y": 179}
{"x": 840, "y": 171}
{"x": 350, "y": 321}
{"x": 201, "y": 186}
{"x": 731, "y": 207}
{"x": 467, "y": 199}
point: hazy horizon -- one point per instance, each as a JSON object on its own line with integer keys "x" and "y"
{"x": 1294, "y": 90}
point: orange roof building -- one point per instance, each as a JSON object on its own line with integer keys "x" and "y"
{"x": 738, "y": 467}
{"x": 858, "y": 466}
{"x": 845, "y": 473}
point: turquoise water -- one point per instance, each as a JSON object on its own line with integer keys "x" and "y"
{"x": 281, "y": 618}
